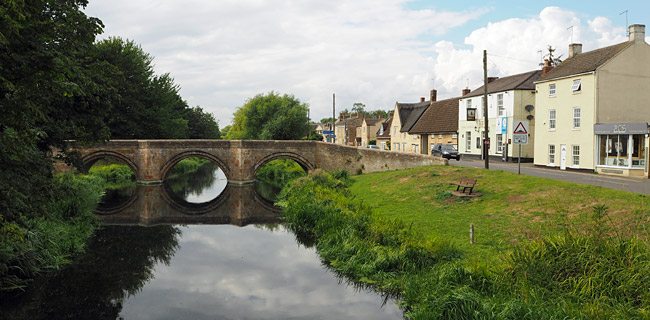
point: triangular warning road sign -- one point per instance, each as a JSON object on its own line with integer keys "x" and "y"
{"x": 520, "y": 129}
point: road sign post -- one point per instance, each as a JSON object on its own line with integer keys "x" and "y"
{"x": 520, "y": 136}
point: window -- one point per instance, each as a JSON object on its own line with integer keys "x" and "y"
{"x": 499, "y": 143}
{"x": 576, "y": 155}
{"x": 415, "y": 136}
{"x": 576, "y": 118}
{"x": 439, "y": 136}
{"x": 500, "y": 107}
{"x": 551, "y": 119}
{"x": 551, "y": 154}
{"x": 396, "y": 146}
{"x": 551, "y": 89}
{"x": 383, "y": 145}
{"x": 454, "y": 136}
{"x": 469, "y": 103}
{"x": 404, "y": 146}
{"x": 364, "y": 130}
{"x": 577, "y": 86}
{"x": 468, "y": 141}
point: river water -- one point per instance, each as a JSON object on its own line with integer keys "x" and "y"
{"x": 197, "y": 248}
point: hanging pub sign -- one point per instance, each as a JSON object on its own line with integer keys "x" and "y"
{"x": 471, "y": 114}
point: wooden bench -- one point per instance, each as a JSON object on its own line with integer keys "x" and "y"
{"x": 465, "y": 183}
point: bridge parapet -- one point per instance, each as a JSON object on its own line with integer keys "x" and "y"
{"x": 151, "y": 160}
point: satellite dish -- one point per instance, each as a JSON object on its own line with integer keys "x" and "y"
{"x": 529, "y": 108}
{"x": 530, "y": 117}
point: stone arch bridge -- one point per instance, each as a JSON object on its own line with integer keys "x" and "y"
{"x": 240, "y": 160}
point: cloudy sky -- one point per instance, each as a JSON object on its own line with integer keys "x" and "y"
{"x": 371, "y": 51}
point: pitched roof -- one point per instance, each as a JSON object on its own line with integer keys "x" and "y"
{"x": 386, "y": 125}
{"x": 585, "y": 62}
{"x": 409, "y": 113}
{"x": 372, "y": 121}
{"x": 441, "y": 116}
{"x": 350, "y": 122}
{"x": 522, "y": 81}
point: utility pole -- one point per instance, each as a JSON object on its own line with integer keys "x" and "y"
{"x": 486, "y": 150}
{"x": 333, "y": 117}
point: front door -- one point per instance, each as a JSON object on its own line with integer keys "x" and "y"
{"x": 563, "y": 157}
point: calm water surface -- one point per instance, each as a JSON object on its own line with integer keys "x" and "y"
{"x": 156, "y": 259}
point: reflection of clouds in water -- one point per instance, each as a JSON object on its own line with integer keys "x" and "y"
{"x": 227, "y": 272}
{"x": 208, "y": 194}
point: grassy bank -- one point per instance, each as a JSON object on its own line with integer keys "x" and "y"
{"x": 544, "y": 249}
{"x": 38, "y": 244}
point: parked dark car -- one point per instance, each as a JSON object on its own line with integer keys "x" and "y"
{"x": 446, "y": 151}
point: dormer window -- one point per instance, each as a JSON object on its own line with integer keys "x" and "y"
{"x": 577, "y": 86}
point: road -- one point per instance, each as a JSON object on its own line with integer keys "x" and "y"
{"x": 637, "y": 185}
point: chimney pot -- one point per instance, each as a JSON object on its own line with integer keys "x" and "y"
{"x": 434, "y": 95}
{"x": 466, "y": 91}
{"x": 637, "y": 32}
{"x": 422, "y": 99}
{"x": 575, "y": 49}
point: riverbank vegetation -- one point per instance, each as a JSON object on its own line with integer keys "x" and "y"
{"x": 544, "y": 249}
{"x": 279, "y": 172}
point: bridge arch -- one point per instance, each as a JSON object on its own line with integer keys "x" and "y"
{"x": 91, "y": 158}
{"x": 194, "y": 153}
{"x": 302, "y": 161}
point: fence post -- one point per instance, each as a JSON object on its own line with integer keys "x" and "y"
{"x": 471, "y": 233}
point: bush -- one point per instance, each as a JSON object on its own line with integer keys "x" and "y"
{"x": 48, "y": 242}
{"x": 279, "y": 172}
{"x": 114, "y": 175}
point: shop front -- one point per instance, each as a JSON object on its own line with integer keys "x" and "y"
{"x": 622, "y": 148}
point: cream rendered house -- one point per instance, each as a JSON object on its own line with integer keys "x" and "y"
{"x": 509, "y": 99}
{"x": 368, "y": 130}
{"x": 593, "y": 109}
{"x": 405, "y": 116}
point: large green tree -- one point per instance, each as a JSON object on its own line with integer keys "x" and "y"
{"x": 270, "y": 117}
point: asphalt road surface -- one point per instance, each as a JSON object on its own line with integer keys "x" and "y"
{"x": 637, "y": 185}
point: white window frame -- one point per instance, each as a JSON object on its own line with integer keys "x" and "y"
{"x": 551, "y": 90}
{"x": 468, "y": 141}
{"x": 576, "y": 119}
{"x": 552, "y": 119}
{"x": 440, "y": 136}
{"x": 383, "y": 145}
{"x": 551, "y": 154}
{"x": 500, "y": 109}
{"x": 403, "y": 146}
{"x": 576, "y": 87}
{"x": 415, "y": 136}
{"x": 454, "y": 136}
{"x": 499, "y": 143}
{"x": 575, "y": 155}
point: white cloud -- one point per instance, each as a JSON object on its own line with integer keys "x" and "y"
{"x": 376, "y": 52}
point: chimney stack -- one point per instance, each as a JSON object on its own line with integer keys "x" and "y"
{"x": 547, "y": 67}
{"x": 422, "y": 99}
{"x": 575, "y": 49}
{"x": 434, "y": 95}
{"x": 466, "y": 91}
{"x": 637, "y": 32}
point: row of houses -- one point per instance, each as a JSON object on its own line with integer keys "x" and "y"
{"x": 589, "y": 112}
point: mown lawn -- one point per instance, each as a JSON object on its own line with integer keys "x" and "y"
{"x": 510, "y": 208}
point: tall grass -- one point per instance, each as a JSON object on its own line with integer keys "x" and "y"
{"x": 114, "y": 175}
{"x": 596, "y": 274}
{"x": 49, "y": 241}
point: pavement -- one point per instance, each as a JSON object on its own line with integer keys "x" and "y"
{"x": 636, "y": 185}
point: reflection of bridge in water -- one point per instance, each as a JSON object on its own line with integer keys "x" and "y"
{"x": 154, "y": 205}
